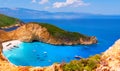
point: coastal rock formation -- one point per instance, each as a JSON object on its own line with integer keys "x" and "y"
{"x": 46, "y": 33}
{"x": 4, "y": 36}
{"x": 1, "y": 55}
{"x": 110, "y": 59}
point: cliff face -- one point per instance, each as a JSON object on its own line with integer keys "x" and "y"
{"x": 4, "y": 36}
{"x": 110, "y": 60}
{"x": 32, "y": 31}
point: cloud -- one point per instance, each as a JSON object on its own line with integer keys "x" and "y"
{"x": 33, "y": 1}
{"x": 71, "y": 3}
{"x": 43, "y": 1}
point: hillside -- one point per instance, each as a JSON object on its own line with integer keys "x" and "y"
{"x": 8, "y": 22}
{"x": 110, "y": 59}
{"x": 60, "y": 33}
{"x": 23, "y": 13}
{"x": 47, "y": 33}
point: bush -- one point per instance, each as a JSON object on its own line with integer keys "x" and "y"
{"x": 61, "y": 34}
{"x": 7, "y": 21}
{"x": 88, "y": 64}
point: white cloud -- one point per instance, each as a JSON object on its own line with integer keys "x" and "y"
{"x": 33, "y": 1}
{"x": 71, "y": 3}
{"x": 43, "y": 1}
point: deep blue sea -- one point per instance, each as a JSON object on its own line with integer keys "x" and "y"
{"x": 107, "y": 32}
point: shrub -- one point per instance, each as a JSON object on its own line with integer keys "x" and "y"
{"x": 60, "y": 33}
{"x": 88, "y": 64}
{"x": 7, "y": 21}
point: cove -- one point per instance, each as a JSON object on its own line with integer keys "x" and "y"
{"x": 42, "y": 54}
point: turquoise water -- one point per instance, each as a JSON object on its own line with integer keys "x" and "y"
{"x": 41, "y": 54}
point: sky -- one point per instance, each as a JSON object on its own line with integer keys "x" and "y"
{"x": 106, "y": 7}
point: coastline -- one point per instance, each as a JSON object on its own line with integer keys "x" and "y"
{"x": 10, "y": 44}
{"x": 105, "y": 56}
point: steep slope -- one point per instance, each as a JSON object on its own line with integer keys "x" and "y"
{"x": 7, "y": 22}
{"x": 110, "y": 60}
{"x": 47, "y": 33}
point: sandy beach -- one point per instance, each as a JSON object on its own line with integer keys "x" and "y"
{"x": 10, "y": 44}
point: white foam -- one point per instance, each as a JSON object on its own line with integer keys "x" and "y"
{"x": 10, "y": 44}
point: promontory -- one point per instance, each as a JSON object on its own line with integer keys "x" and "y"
{"x": 46, "y": 33}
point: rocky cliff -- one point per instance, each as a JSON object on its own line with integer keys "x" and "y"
{"x": 110, "y": 59}
{"x": 46, "y": 33}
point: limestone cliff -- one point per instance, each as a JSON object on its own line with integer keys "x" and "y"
{"x": 46, "y": 33}
{"x": 110, "y": 59}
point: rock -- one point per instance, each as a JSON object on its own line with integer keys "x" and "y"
{"x": 89, "y": 40}
{"x": 1, "y": 54}
{"x": 110, "y": 60}
{"x": 4, "y": 36}
{"x": 33, "y": 31}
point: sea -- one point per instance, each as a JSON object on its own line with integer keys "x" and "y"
{"x": 41, "y": 54}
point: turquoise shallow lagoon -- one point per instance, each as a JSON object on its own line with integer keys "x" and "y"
{"x": 41, "y": 54}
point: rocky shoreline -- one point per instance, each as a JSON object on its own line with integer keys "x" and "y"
{"x": 30, "y": 32}
{"x": 110, "y": 61}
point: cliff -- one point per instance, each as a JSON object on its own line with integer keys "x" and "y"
{"x": 46, "y": 33}
{"x": 110, "y": 59}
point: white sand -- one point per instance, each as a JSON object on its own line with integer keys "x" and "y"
{"x": 10, "y": 44}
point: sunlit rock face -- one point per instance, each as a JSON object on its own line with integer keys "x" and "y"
{"x": 2, "y": 58}
{"x": 32, "y": 31}
{"x": 110, "y": 60}
{"x": 4, "y": 36}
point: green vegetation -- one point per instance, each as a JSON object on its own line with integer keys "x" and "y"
{"x": 62, "y": 34}
{"x": 88, "y": 64}
{"x": 7, "y": 21}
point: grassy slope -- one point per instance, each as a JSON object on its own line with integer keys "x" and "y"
{"x": 53, "y": 30}
{"x": 7, "y": 21}
{"x": 62, "y": 34}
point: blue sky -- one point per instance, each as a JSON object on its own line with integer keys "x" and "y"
{"x": 110, "y": 7}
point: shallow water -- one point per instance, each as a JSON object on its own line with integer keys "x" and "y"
{"x": 41, "y": 54}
